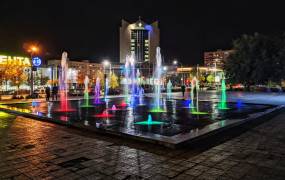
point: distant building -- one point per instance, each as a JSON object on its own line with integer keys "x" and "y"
{"x": 216, "y": 57}
{"x": 77, "y": 70}
{"x": 140, "y": 38}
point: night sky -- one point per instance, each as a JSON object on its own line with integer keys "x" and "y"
{"x": 90, "y": 29}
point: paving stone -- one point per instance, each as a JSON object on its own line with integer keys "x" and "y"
{"x": 34, "y": 149}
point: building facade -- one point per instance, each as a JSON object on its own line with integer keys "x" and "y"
{"x": 77, "y": 70}
{"x": 139, "y": 38}
{"x": 216, "y": 58}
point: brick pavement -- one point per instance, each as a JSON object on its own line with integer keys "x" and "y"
{"x": 33, "y": 149}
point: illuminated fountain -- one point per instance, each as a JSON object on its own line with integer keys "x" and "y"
{"x": 149, "y": 121}
{"x": 223, "y": 101}
{"x": 126, "y": 84}
{"x": 114, "y": 108}
{"x": 104, "y": 114}
{"x": 86, "y": 93}
{"x": 169, "y": 89}
{"x": 127, "y": 80}
{"x": 195, "y": 85}
{"x": 63, "y": 85}
{"x": 138, "y": 85}
{"x": 141, "y": 94}
{"x": 157, "y": 83}
{"x": 133, "y": 74}
{"x": 97, "y": 91}
{"x": 106, "y": 87}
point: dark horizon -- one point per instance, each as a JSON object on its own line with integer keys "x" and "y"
{"x": 90, "y": 30}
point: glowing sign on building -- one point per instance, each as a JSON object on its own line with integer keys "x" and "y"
{"x": 37, "y": 61}
{"x": 14, "y": 60}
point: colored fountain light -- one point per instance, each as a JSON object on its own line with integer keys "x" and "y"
{"x": 123, "y": 104}
{"x": 239, "y": 104}
{"x": 198, "y": 112}
{"x": 114, "y": 108}
{"x": 141, "y": 94}
{"x": 149, "y": 121}
{"x": 223, "y": 100}
{"x": 157, "y": 83}
{"x": 97, "y": 92}
{"x": 86, "y": 94}
{"x": 193, "y": 83}
{"x": 104, "y": 114}
{"x": 187, "y": 103}
{"x": 133, "y": 73}
{"x": 127, "y": 79}
{"x": 157, "y": 110}
{"x": 195, "y": 88}
{"x": 63, "y": 86}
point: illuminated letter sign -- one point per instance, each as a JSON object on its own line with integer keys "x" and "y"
{"x": 14, "y": 60}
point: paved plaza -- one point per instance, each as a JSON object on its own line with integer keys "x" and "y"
{"x": 38, "y": 150}
{"x": 31, "y": 149}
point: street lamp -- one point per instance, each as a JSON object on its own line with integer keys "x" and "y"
{"x": 175, "y": 62}
{"x": 105, "y": 64}
{"x": 33, "y": 49}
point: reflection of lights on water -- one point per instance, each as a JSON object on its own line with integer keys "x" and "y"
{"x": 63, "y": 118}
{"x": 4, "y": 115}
{"x": 104, "y": 114}
{"x": 34, "y": 103}
{"x": 39, "y": 113}
{"x": 239, "y": 104}
{"x": 49, "y": 109}
{"x": 129, "y": 119}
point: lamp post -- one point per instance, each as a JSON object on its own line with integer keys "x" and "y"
{"x": 105, "y": 64}
{"x": 175, "y": 62}
{"x": 32, "y": 50}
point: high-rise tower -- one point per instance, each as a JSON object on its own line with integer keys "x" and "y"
{"x": 140, "y": 38}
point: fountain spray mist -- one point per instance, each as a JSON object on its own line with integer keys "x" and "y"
{"x": 63, "y": 84}
{"x": 97, "y": 91}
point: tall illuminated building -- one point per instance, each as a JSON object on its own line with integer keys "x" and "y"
{"x": 140, "y": 38}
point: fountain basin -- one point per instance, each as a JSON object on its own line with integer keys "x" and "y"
{"x": 175, "y": 127}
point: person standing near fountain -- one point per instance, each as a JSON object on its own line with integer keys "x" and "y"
{"x": 183, "y": 90}
{"x": 47, "y": 93}
{"x": 54, "y": 92}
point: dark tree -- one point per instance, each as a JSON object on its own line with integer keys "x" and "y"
{"x": 257, "y": 59}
